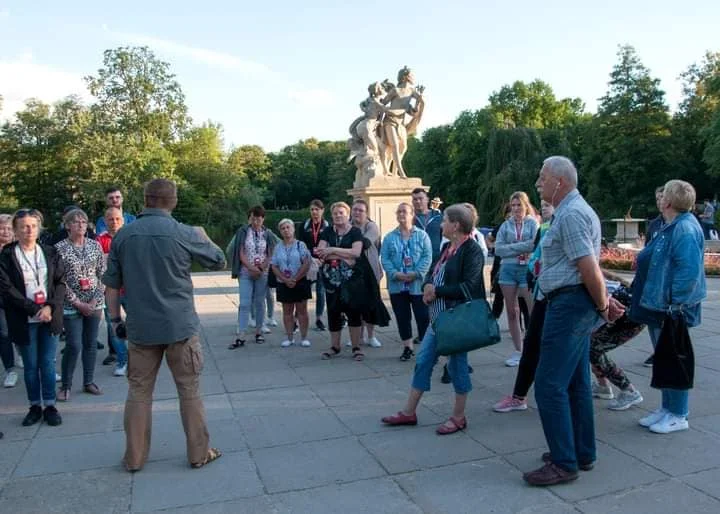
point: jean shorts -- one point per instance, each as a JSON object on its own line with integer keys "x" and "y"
{"x": 513, "y": 275}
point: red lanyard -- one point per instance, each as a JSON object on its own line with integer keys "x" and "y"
{"x": 518, "y": 233}
{"x": 315, "y": 232}
{"x": 448, "y": 254}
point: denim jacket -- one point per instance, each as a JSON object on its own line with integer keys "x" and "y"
{"x": 676, "y": 277}
{"x": 391, "y": 254}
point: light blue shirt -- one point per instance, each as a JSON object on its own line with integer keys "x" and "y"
{"x": 289, "y": 259}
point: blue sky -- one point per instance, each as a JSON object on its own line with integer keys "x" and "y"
{"x": 275, "y": 72}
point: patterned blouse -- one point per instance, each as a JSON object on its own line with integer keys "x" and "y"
{"x": 84, "y": 268}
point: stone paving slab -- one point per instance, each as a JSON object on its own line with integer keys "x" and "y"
{"x": 302, "y": 435}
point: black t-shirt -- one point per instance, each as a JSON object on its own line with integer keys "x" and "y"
{"x": 345, "y": 241}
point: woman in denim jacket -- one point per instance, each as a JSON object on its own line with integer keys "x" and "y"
{"x": 406, "y": 255}
{"x": 671, "y": 278}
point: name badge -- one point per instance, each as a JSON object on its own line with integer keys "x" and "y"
{"x": 287, "y": 273}
{"x": 39, "y": 297}
{"x": 84, "y": 284}
{"x": 334, "y": 263}
{"x": 522, "y": 258}
{"x": 407, "y": 261}
{"x": 257, "y": 261}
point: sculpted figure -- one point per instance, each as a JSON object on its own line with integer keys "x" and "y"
{"x": 365, "y": 145}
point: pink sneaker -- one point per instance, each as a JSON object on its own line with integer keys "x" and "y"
{"x": 510, "y": 403}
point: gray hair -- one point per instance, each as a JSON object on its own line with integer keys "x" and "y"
{"x": 562, "y": 167}
{"x": 462, "y": 215}
{"x": 286, "y": 221}
{"x": 73, "y": 215}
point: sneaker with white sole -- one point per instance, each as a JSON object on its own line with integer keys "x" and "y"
{"x": 11, "y": 379}
{"x": 670, "y": 423}
{"x": 286, "y": 343}
{"x": 625, "y": 400}
{"x": 652, "y": 418}
{"x": 58, "y": 377}
{"x": 271, "y": 322}
{"x": 348, "y": 343}
{"x": 602, "y": 392}
{"x": 265, "y": 329}
{"x": 509, "y": 404}
{"x": 513, "y": 360}
{"x": 373, "y": 342}
{"x": 305, "y": 343}
{"x": 120, "y": 371}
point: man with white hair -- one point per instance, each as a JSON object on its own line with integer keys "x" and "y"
{"x": 574, "y": 287}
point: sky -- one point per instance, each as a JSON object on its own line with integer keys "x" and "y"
{"x": 276, "y": 72}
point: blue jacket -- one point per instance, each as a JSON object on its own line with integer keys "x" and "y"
{"x": 430, "y": 223}
{"x": 507, "y": 245}
{"x": 391, "y": 255}
{"x": 676, "y": 277}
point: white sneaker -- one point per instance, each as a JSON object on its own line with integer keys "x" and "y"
{"x": 10, "y": 379}
{"x": 120, "y": 371}
{"x": 58, "y": 377}
{"x": 625, "y": 400}
{"x": 305, "y": 343}
{"x": 373, "y": 342}
{"x": 513, "y": 360}
{"x": 348, "y": 343}
{"x": 271, "y": 322}
{"x": 265, "y": 329}
{"x": 652, "y": 418}
{"x": 602, "y": 392}
{"x": 286, "y": 343}
{"x": 251, "y": 323}
{"x": 18, "y": 360}
{"x": 670, "y": 423}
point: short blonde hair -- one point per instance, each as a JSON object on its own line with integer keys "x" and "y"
{"x": 337, "y": 205}
{"x": 680, "y": 195}
{"x": 286, "y": 221}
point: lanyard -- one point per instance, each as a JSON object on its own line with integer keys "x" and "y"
{"x": 287, "y": 254}
{"x": 428, "y": 220}
{"x": 448, "y": 254}
{"x": 339, "y": 238}
{"x": 81, "y": 257}
{"x": 315, "y": 231}
{"x": 519, "y": 232}
{"x": 35, "y": 269}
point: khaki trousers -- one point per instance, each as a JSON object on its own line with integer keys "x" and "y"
{"x": 185, "y": 361}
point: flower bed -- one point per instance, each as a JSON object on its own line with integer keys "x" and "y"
{"x": 624, "y": 259}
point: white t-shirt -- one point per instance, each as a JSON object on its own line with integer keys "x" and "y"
{"x": 34, "y": 269}
{"x": 479, "y": 239}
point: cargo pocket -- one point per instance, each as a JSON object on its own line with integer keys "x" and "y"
{"x": 194, "y": 356}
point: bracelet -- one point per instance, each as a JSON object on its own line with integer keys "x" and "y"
{"x": 607, "y": 308}
{"x": 115, "y": 320}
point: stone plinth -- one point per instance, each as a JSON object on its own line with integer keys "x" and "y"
{"x": 627, "y": 229}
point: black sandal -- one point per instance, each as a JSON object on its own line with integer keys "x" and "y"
{"x": 330, "y": 353}
{"x": 237, "y": 344}
{"x": 259, "y": 339}
{"x": 357, "y": 354}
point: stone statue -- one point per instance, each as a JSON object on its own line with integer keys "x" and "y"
{"x": 379, "y": 138}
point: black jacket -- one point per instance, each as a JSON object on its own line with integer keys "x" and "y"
{"x": 466, "y": 267}
{"x": 12, "y": 287}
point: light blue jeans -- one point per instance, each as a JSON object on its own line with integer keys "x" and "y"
{"x": 676, "y": 401}
{"x": 426, "y": 359}
{"x": 251, "y": 293}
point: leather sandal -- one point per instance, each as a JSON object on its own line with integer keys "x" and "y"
{"x": 212, "y": 454}
{"x": 400, "y": 419}
{"x": 457, "y": 426}
{"x": 332, "y": 352}
{"x": 237, "y": 344}
{"x": 357, "y": 354}
{"x": 93, "y": 389}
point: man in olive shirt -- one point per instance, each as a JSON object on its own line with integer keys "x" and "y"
{"x": 151, "y": 260}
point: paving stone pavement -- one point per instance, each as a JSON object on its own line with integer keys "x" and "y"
{"x": 302, "y": 435}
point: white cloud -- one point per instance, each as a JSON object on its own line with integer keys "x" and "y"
{"x": 21, "y": 79}
{"x": 209, "y": 57}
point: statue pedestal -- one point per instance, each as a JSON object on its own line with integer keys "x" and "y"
{"x": 628, "y": 230}
{"x": 383, "y": 194}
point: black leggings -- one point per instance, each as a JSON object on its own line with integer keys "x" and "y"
{"x": 401, "y": 306}
{"x": 531, "y": 350}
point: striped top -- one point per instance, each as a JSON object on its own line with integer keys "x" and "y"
{"x": 438, "y": 304}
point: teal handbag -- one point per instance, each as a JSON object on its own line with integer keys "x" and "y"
{"x": 466, "y": 327}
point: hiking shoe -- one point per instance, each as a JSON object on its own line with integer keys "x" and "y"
{"x": 549, "y": 474}
{"x": 109, "y": 360}
{"x": 670, "y": 423}
{"x": 407, "y": 354}
{"x": 34, "y": 415}
{"x": 652, "y": 418}
{"x": 649, "y": 362}
{"x": 602, "y": 392}
{"x": 509, "y": 404}
{"x": 51, "y": 416}
{"x": 625, "y": 400}
{"x": 445, "y": 378}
